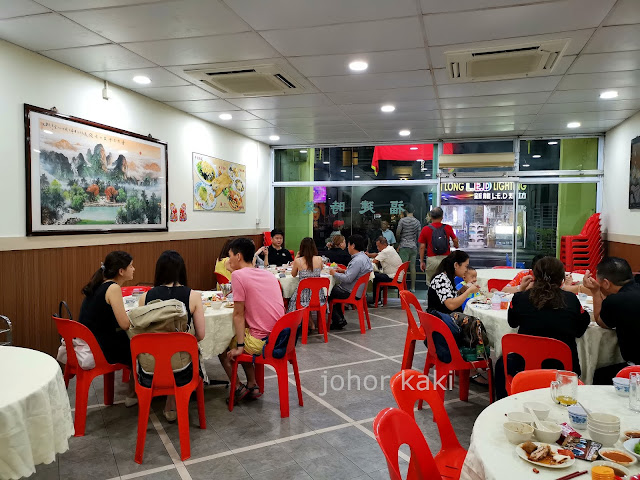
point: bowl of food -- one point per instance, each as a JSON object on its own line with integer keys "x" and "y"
{"x": 521, "y": 417}
{"x": 633, "y": 446}
{"x": 618, "y": 470}
{"x": 550, "y": 434}
{"x": 621, "y": 386}
{"x": 517, "y": 432}
{"x": 617, "y": 456}
{"x": 545, "y": 455}
{"x": 577, "y": 417}
{"x": 607, "y": 439}
{"x": 629, "y": 434}
{"x": 539, "y": 409}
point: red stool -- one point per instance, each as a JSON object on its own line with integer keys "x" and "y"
{"x": 414, "y": 332}
{"x": 314, "y": 285}
{"x": 360, "y": 304}
{"x": 70, "y": 329}
{"x": 451, "y": 455}
{"x": 533, "y": 380}
{"x": 399, "y": 281}
{"x": 291, "y": 321}
{"x": 162, "y": 346}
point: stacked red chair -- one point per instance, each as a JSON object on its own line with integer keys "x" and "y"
{"x": 583, "y": 251}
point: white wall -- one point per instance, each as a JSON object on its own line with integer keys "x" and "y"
{"x": 622, "y": 224}
{"x": 31, "y": 78}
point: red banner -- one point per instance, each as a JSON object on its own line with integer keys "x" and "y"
{"x": 405, "y": 153}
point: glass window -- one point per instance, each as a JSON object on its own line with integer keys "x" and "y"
{"x": 559, "y": 154}
{"x": 497, "y": 146}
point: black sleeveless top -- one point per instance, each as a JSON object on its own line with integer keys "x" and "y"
{"x": 97, "y": 315}
{"x": 163, "y": 292}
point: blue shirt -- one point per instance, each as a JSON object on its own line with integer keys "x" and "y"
{"x": 388, "y": 234}
{"x": 359, "y": 265}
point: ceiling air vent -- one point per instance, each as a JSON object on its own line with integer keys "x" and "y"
{"x": 501, "y": 63}
{"x": 250, "y": 80}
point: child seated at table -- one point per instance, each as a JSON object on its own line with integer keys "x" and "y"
{"x": 470, "y": 278}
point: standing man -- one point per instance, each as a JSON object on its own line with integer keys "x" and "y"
{"x": 436, "y": 237}
{"x": 407, "y": 233}
{"x": 358, "y": 266}
{"x": 388, "y": 262}
{"x": 616, "y": 303}
{"x": 388, "y": 234}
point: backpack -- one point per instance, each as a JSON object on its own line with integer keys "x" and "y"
{"x": 160, "y": 316}
{"x": 442, "y": 349}
{"x": 473, "y": 332}
{"x": 439, "y": 240}
{"x": 280, "y": 348}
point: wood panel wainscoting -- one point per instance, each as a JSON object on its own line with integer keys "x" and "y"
{"x": 33, "y": 282}
{"x": 628, "y": 251}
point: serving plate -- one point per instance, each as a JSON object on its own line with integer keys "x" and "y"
{"x": 630, "y": 444}
{"x": 523, "y": 455}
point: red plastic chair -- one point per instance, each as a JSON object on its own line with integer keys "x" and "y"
{"x": 627, "y": 371}
{"x": 414, "y": 332}
{"x": 359, "y": 304}
{"x": 533, "y": 380}
{"x": 162, "y": 346}
{"x": 344, "y": 267}
{"x": 431, "y": 324}
{"x": 284, "y": 300}
{"x": 126, "y": 291}
{"x": 221, "y": 279}
{"x": 399, "y": 281}
{"x": 315, "y": 285}
{"x": 497, "y": 283}
{"x": 394, "y": 428}
{"x": 70, "y": 329}
{"x": 292, "y": 321}
{"x": 501, "y": 267}
{"x": 534, "y": 350}
{"x": 407, "y": 387}
{"x": 293, "y": 254}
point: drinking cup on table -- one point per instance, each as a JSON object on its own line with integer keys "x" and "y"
{"x": 634, "y": 392}
{"x": 564, "y": 390}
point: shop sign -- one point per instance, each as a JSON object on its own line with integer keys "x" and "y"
{"x": 483, "y": 191}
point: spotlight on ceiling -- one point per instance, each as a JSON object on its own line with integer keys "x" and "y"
{"x": 225, "y": 116}
{"x": 303, "y": 151}
{"x": 553, "y": 143}
{"x": 573, "y": 124}
{"x": 274, "y": 138}
{"x": 609, "y": 94}
{"x": 404, "y": 133}
{"x": 358, "y": 65}
{"x": 537, "y": 156}
{"x": 142, "y": 80}
{"x": 388, "y": 108}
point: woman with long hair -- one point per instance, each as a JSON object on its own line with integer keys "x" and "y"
{"x": 222, "y": 262}
{"x": 307, "y": 264}
{"x": 545, "y": 310}
{"x": 171, "y": 283}
{"x": 103, "y": 312}
{"x": 442, "y": 295}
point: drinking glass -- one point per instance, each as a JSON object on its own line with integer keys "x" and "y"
{"x": 564, "y": 390}
{"x": 226, "y": 289}
{"x": 634, "y": 392}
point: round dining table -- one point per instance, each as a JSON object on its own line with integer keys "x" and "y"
{"x": 492, "y": 457}
{"x": 35, "y": 416}
{"x": 486, "y": 274}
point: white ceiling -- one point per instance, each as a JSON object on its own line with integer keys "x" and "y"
{"x": 404, "y": 42}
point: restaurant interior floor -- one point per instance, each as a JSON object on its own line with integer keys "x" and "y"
{"x": 329, "y": 438}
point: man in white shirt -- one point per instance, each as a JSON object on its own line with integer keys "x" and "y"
{"x": 387, "y": 260}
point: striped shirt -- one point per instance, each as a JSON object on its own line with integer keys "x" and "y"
{"x": 407, "y": 233}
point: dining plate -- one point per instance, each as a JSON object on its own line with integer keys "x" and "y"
{"x": 523, "y": 455}
{"x": 630, "y": 444}
{"x": 204, "y": 196}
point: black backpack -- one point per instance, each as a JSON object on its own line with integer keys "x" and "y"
{"x": 439, "y": 240}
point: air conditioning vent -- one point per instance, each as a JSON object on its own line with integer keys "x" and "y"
{"x": 516, "y": 61}
{"x": 258, "y": 80}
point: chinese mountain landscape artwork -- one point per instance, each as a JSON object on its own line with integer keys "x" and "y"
{"x": 87, "y": 178}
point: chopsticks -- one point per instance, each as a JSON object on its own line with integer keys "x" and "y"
{"x": 573, "y": 475}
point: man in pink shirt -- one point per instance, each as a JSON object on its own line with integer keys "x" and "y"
{"x": 257, "y": 306}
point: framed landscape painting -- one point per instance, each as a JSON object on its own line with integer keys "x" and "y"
{"x": 218, "y": 185}
{"x": 84, "y": 177}
{"x": 634, "y": 175}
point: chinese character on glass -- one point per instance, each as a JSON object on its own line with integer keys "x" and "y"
{"x": 397, "y": 207}
{"x": 336, "y": 207}
{"x": 308, "y": 207}
{"x": 366, "y": 206}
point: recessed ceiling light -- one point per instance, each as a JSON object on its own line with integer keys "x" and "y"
{"x": 553, "y": 143}
{"x": 525, "y": 164}
{"x": 343, "y": 171}
{"x": 573, "y": 124}
{"x": 358, "y": 65}
{"x": 274, "y": 137}
{"x": 609, "y": 94}
{"x": 326, "y": 163}
{"x": 142, "y": 80}
{"x": 413, "y": 148}
{"x": 303, "y": 151}
{"x": 404, "y": 133}
{"x": 356, "y": 176}
{"x": 225, "y": 116}
{"x": 537, "y": 156}
{"x": 49, "y": 132}
{"x": 388, "y": 108}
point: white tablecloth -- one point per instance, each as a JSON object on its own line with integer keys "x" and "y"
{"x": 218, "y": 327}
{"x": 486, "y": 274}
{"x": 289, "y": 282}
{"x": 598, "y": 346}
{"x": 492, "y": 457}
{"x": 35, "y": 416}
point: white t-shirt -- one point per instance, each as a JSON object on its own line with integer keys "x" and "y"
{"x": 389, "y": 260}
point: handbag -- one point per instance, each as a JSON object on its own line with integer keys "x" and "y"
{"x": 80, "y": 347}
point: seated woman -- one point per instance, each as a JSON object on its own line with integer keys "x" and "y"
{"x": 103, "y": 312}
{"x": 306, "y": 265}
{"x": 338, "y": 253}
{"x": 545, "y": 310}
{"x": 171, "y": 283}
{"x": 222, "y": 262}
{"x": 442, "y": 295}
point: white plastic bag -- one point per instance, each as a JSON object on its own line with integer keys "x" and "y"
{"x": 83, "y": 354}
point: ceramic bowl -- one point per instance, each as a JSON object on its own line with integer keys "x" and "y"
{"x": 631, "y": 458}
{"x": 540, "y": 409}
{"x": 604, "y": 419}
{"x": 521, "y": 417}
{"x": 607, "y": 439}
{"x": 517, "y": 432}
{"x": 577, "y": 417}
{"x": 621, "y": 385}
{"x": 551, "y": 435}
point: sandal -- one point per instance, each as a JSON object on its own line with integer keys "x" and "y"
{"x": 241, "y": 393}
{"x": 481, "y": 383}
{"x": 254, "y": 393}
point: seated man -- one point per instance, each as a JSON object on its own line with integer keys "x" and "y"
{"x": 388, "y": 262}
{"x": 616, "y": 303}
{"x": 358, "y": 266}
{"x": 257, "y": 306}
{"x": 276, "y": 254}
